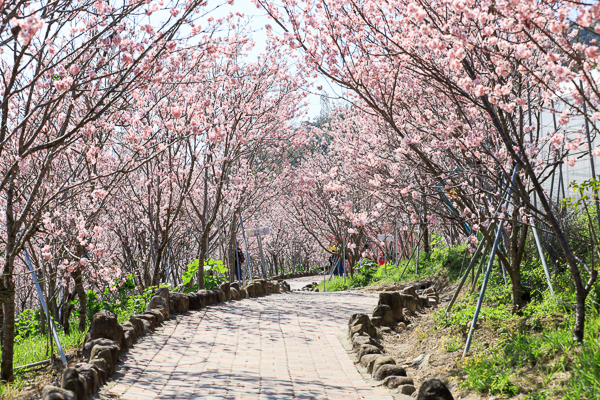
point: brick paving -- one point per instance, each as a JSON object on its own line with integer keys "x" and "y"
{"x": 282, "y": 346}
{"x": 299, "y": 283}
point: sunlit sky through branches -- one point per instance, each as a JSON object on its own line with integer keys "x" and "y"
{"x": 256, "y": 19}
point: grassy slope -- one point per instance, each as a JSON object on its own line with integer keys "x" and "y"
{"x": 33, "y": 349}
{"x": 532, "y": 355}
{"x": 36, "y": 347}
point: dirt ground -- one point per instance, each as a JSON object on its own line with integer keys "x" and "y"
{"x": 38, "y": 377}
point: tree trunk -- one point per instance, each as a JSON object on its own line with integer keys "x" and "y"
{"x": 53, "y": 292}
{"x": 8, "y": 293}
{"x": 163, "y": 272}
{"x": 8, "y": 336}
{"x": 42, "y": 320}
{"x": 517, "y": 290}
{"x": 66, "y": 310}
{"x": 82, "y": 298}
{"x": 77, "y": 278}
{"x": 157, "y": 266}
{"x": 8, "y": 331}
{"x": 426, "y": 239}
{"x": 201, "y": 258}
{"x": 147, "y": 279}
{"x": 1, "y": 323}
{"x": 231, "y": 249}
{"x": 579, "y": 316}
{"x": 425, "y": 230}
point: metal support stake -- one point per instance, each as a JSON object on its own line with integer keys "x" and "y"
{"x": 43, "y": 301}
{"x": 535, "y": 232}
{"x": 396, "y": 243}
{"x": 501, "y": 265}
{"x": 465, "y": 276}
{"x": 483, "y": 288}
{"x": 542, "y": 258}
{"x": 478, "y": 274}
{"x": 169, "y": 268}
{"x": 418, "y": 242}
{"x": 406, "y": 243}
{"x": 489, "y": 268}
{"x": 344, "y": 256}
{"x": 410, "y": 258}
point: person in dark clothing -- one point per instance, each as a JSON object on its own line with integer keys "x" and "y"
{"x": 239, "y": 260}
{"x": 335, "y": 262}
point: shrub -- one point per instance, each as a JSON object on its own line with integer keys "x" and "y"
{"x": 215, "y": 273}
{"x": 27, "y": 325}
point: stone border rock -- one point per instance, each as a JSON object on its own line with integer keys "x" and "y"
{"x": 311, "y": 287}
{"x": 106, "y": 338}
{"x": 394, "y": 308}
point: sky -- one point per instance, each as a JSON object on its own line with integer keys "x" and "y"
{"x": 258, "y": 18}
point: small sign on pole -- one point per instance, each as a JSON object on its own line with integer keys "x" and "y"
{"x": 258, "y": 232}
{"x": 385, "y": 238}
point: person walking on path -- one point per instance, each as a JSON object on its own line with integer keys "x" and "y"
{"x": 239, "y": 260}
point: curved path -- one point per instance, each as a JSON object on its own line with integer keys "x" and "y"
{"x": 281, "y": 346}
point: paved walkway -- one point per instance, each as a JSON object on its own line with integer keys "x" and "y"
{"x": 299, "y": 283}
{"x": 282, "y": 346}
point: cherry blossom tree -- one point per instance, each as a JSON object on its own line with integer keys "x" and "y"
{"x": 68, "y": 67}
{"x": 492, "y": 63}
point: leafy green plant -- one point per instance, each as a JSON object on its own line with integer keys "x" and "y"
{"x": 27, "y": 324}
{"x": 118, "y": 299}
{"x": 188, "y": 277}
{"x": 366, "y": 264}
{"x": 137, "y": 303}
{"x": 215, "y": 273}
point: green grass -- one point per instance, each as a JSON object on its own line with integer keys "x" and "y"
{"x": 452, "y": 344}
{"x": 11, "y": 390}
{"x": 585, "y": 382}
{"x": 532, "y": 353}
{"x": 508, "y": 367}
{"x": 532, "y": 349}
{"x": 36, "y": 348}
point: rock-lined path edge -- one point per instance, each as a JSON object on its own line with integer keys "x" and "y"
{"x": 282, "y": 346}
